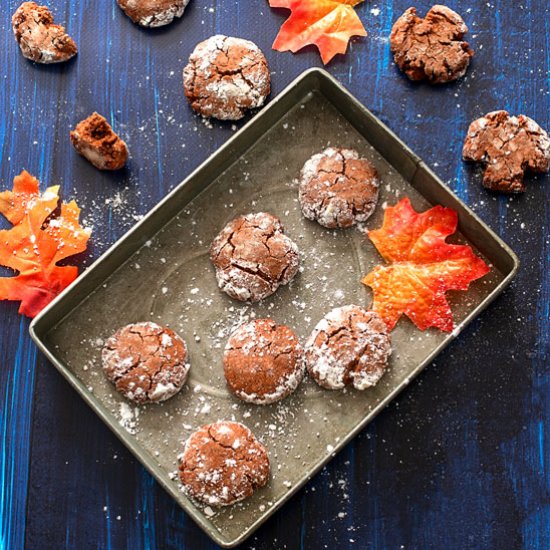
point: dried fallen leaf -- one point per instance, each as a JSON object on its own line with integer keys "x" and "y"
{"x": 42, "y": 235}
{"x": 329, "y": 24}
{"x": 422, "y": 266}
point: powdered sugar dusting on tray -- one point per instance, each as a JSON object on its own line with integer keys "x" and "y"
{"x": 170, "y": 281}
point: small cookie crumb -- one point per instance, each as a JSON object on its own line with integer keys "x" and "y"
{"x": 95, "y": 140}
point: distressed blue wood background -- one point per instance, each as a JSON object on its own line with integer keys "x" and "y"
{"x": 461, "y": 460}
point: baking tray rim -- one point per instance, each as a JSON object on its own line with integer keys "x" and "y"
{"x": 39, "y": 326}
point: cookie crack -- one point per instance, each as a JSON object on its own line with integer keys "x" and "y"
{"x": 252, "y": 271}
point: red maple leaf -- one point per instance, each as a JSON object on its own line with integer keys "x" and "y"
{"x": 42, "y": 235}
{"x": 422, "y": 266}
{"x": 329, "y": 24}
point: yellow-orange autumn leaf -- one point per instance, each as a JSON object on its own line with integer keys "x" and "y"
{"x": 43, "y": 233}
{"x": 421, "y": 266}
{"x": 329, "y": 24}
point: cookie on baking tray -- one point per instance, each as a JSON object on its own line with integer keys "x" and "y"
{"x": 338, "y": 188}
{"x": 263, "y": 362}
{"x": 147, "y": 363}
{"x": 350, "y": 346}
{"x": 223, "y": 463}
{"x": 253, "y": 257}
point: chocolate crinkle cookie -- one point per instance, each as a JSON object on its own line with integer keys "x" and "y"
{"x": 508, "y": 146}
{"x": 153, "y": 13}
{"x": 338, "y": 189}
{"x": 225, "y": 77}
{"x": 253, "y": 257}
{"x": 38, "y": 37}
{"x": 432, "y": 48}
{"x": 349, "y": 346}
{"x": 223, "y": 463}
{"x": 263, "y": 362}
{"x": 146, "y": 363}
{"x": 96, "y": 141}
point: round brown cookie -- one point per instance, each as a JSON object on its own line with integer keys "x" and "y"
{"x": 253, "y": 257}
{"x": 225, "y": 77}
{"x": 96, "y": 141}
{"x": 432, "y": 48}
{"x": 38, "y": 37}
{"x": 338, "y": 189}
{"x": 508, "y": 146}
{"x": 153, "y": 13}
{"x": 349, "y": 346}
{"x": 146, "y": 363}
{"x": 223, "y": 463}
{"x": 263, "y": 362}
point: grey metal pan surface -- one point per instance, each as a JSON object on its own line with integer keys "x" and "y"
{"x": 160, "y": 271}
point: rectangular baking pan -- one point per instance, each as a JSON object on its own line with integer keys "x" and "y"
{"x": 160, "y": 271}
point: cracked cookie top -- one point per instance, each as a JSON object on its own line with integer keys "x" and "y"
{"x": 338, "y": 189}
{"x": 508, "y": 146}
{"x": 146, "y": 363}
{"x": 349, "y": 346}
{"x": 253, "y": 257}
{"x": 432, "y": 48}
{"x": 223, "y": 463}
{"x": 263, "y": 362}
{"x": 153, "y": 13}
{"x": 38, "y": 37}
{"x": 225, "y": 77}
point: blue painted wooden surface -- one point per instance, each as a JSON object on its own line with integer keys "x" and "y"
{"x": 460, "y": 460}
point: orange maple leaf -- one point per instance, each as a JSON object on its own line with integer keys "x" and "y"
{"x": 422, "y": 266}
{"x": 329, "y": 24}
{"x": 42, "y": 235}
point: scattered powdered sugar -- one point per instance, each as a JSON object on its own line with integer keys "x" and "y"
{"x": 128, "y": 417}
{"x": 296, "y": 426}
{"x": 208, "y": 512}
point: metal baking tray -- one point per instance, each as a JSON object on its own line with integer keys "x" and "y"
{"x": 160, "y": 271}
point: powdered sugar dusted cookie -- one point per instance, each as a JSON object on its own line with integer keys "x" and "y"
{"x": 338, "y": 189}
{"x": 263, "y": 362}
{"x": 223, "y": 463}
{"x": 146, "y": 363}
{"x": 432, "y": 48}
{"x": 38, "y": 37}
{"x": 253, "y": 257}
{"x": 349, "y": 346}
{"x": 225, "y": 77}
{"x": 509, "y": 146}
{"x": 153, "y": 13}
